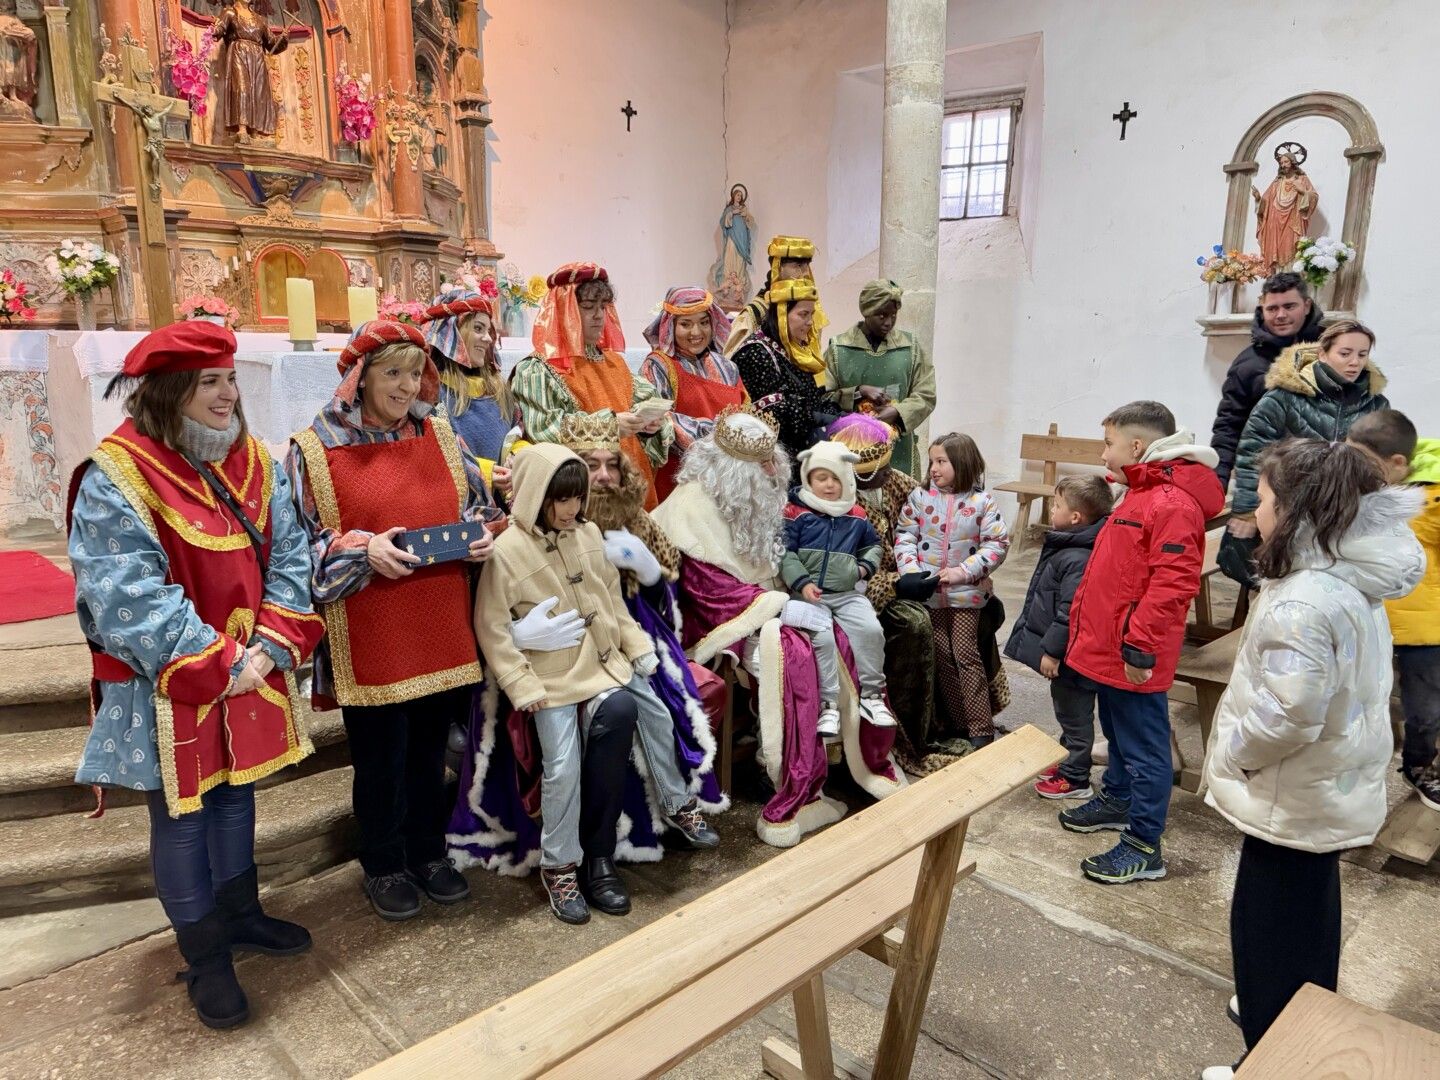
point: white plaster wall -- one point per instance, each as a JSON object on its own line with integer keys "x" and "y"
{"x": 567, "y": 181}
{"x": 1102, "y": 310}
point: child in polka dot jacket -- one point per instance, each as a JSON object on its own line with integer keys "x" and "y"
{"x": 953, "y": 531}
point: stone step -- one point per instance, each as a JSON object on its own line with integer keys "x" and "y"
{"x": 44, "y": 715}
{"x": 303, "y": 826}
{"x": 37, "y": 768}
{"x": 47, "y": 674}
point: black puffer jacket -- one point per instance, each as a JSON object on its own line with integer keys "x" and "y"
{"x": 1245, "y": 385}
{"x": 1043, "y": 628}
{"x": 1304, "y": 399}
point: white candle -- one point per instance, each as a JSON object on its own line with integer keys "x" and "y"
{"x": 363, "y": 305}
{"x": 300, "y": 307}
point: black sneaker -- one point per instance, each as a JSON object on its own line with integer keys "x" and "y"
{"x": 691, "y": 824}
{"x": 393, "y": 896}
{"x": 1426, "y": 783}
{"x": 1099, "y": 813}
{"x": 1130, "y": 860}
{"x": 562, "y": 885}
{"x": 440, "y": 881}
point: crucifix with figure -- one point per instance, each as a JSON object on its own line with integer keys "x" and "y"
{"x": 135, "y": 91}
{"x": 630, "y": 113}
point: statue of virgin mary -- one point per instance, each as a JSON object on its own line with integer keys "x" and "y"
{"x": 729, "y": 278}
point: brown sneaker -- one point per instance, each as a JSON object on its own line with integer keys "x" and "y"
{"x": 562, "y": 885}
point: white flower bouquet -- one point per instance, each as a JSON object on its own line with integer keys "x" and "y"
{"x": 1316, "y": 260}
{"x": 81, "y": 267}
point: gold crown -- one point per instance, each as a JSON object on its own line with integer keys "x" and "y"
{"x": 743, "y": 445}
{"x": 791, "y": 247}
{"x": 583, "y": 432}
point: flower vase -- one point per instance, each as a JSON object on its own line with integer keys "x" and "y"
{"x": 1214, "y": 300}
{"x": 517, "y": 321}
{"x": 218, "y": 320}
{"x": 85, "y": 311}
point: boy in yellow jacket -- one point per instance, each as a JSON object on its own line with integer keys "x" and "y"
{"x": 1414, "y": 619}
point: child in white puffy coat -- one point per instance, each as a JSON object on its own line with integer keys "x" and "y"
{"x": 1302, "y": 743}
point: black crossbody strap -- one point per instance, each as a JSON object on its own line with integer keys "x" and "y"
{"x": 256, "y": 540}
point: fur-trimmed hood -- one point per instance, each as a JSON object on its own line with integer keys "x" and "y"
{"x": 1295, "y": 370}
{"x": 1379, "y": 554}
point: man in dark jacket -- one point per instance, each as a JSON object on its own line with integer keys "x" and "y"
{"x": 1285, "y": 315}
{"x": 1042, "y": 632}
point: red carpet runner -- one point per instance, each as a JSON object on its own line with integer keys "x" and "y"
{"x": 32, "y": 587}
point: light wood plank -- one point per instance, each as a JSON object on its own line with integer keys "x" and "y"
{"x": 1064, "y": 449}
{"x": 812, "y": 1028}
{"x": 1412, "y": 833}
{"x": 1321, "y": 1034}
{"x": 780, "y": 1060}
{"x": 923, "y": 931}
{"x": 886, "y": 947}
{"x": 553, "y": 1020}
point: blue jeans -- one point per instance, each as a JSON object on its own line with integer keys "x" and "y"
{"x": 197, "y": 852}
{"x": 1420, "y": 701}
{"x": 1137, "y": 726}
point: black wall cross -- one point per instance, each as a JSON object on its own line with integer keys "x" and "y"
{"x": 630, "y": 113}
{"x": 1125, "y": 115}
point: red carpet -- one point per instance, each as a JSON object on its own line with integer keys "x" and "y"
{"x": 32, "y": 587}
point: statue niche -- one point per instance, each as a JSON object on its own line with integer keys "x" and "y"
{"x": 323, "y": 267}
{"x": 19, "y": 67}
{"x": 247, "y": 102}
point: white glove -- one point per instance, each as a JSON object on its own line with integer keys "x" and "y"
{"x": 803, "y": 615}
{"x": 626, "y": 551}
{"x": 537, "y": 632}
{"x": 646, "y": 665}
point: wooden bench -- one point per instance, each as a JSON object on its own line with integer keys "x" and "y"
{"x": 1052, "y": 450}
{"x": 647, "y": 1002}
{"x": 1205, "y": 628}
{"x": 1208, "y": 670}
{"x": 1321, "y": 1034}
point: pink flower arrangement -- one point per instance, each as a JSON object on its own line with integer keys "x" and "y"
{"x": 209, "y": 308}
{"x": 356, "y": 105}
{"x": 190, "y": 67}
{"x": 12, "y": 299}
{"x": 1236, "y": 266}
{"x": 406, "y": 311}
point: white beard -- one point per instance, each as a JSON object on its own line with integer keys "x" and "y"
{"x": 750, "y": 501}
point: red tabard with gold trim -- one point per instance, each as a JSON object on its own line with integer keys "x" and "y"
{"x": 211, "y": 739}
{"x": 694, "y": 396}
{"x": 396, "y": 640}
{"x": 608, "y": 384}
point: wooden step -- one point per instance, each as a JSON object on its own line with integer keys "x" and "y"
{"x": 1412, "y": 833}
{"x": 302, "y": 826}
{"x": 37, "y": 768}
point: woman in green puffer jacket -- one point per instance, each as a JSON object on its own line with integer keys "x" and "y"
{"x": 1313, "y": 392}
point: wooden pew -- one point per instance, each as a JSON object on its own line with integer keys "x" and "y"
{"x": 1208, "y": 670}
{"x": 650, "y": 1000}
{"x": 1321, "y": 1034}
{"x": 1052, "y": 450}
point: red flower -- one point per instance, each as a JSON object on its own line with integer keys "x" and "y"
{"x": 489, "y": 289}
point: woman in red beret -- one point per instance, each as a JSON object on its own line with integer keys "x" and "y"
{"x": 192, "y": 583}
{"x": 399, "y": 657}
{"x": 579, "y": 366}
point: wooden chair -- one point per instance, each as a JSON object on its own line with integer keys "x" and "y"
{"x": 1053, "y": 450}
{"x": 1323, "y": 1034}
{"x": 647, "y": 1002}
{"x": 1208, "y": 670}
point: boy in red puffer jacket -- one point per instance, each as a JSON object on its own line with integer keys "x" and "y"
{"x": 1127, "y": 623}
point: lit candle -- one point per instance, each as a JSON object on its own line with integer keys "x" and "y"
{"x": 300, "y": 306}
{"x": 362, "y": 305}
{"x": 379, "y": 282}
{"x": 234, "y": 262}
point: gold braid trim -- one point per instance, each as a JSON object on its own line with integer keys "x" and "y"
{"x": 317, "y": 469}
{"x": 137, "y": 503}
{"x": 163, "y": 686}
{"x": 450, "y": 450}
{"x": 120, "y": 467}
{"x": 282, "y": 641}
{"x": 762, "y": 609}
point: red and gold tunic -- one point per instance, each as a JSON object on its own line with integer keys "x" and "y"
{"x": 396, "y": 640}
{"x": 204, "y": 738}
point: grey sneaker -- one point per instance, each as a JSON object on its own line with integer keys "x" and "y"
{"x": 691, "y": 824}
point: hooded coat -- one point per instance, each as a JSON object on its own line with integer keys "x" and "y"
{"x": 1304, "y": 399}
{"x": 1302, "y": 740}
{"x": 1131, "y": 604}
{"x": 1043, "y": 628}
{"x": 1415, "y": 619}
{"x": 531, "y": 564}
{"x": 1245, "y": 384}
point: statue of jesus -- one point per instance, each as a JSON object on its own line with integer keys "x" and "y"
{"x": 1283, "y": 213}
{"x": 247, "y": 105}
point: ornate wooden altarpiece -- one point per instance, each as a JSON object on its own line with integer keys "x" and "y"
{"x": 107, "y": 149}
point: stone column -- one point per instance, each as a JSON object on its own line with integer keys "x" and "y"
{"x": 399, "y": 32}
{"x": 910, "y": 182}
{"x": 62, "y": 71}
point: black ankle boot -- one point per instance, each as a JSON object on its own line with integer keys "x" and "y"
{"x": 214, "y": 991}
{"x": 602, "y": 886}
{"x": 238, "y": 900}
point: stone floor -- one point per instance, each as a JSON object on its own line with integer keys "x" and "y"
{"x": 1040, "y": 975}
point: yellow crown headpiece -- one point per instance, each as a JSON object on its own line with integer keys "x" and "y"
{"x": 745, "y": 445}
{"x": 583, "y": 432}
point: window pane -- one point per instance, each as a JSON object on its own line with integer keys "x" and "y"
{"x": 991, "y": 136}
{"x": 987, "y": 191}
{"x": 953, "y": 183}
{"x": 956, "y": 142}
{"x": 952, "y": 208}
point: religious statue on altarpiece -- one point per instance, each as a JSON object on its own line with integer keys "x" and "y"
{"x": 19, "y": 66}
{"x": 247, "y": 103}
{"x": 730, "y": 275}
{"x": 1283, "y": 213}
